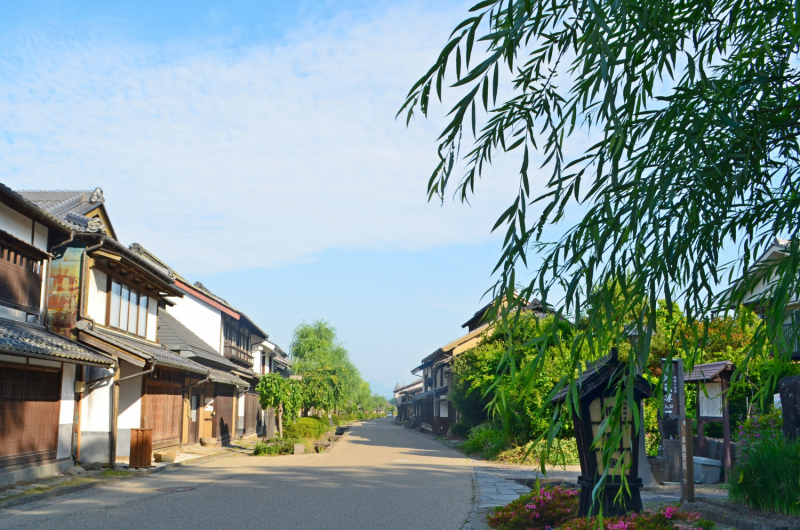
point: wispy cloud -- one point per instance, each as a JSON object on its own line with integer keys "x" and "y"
{"x": 219, "y": 157}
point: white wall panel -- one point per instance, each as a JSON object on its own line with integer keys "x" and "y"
{"x": 97, "y": 297}
{"x": 15, "y": 223}
{"x": 200, "y": 317}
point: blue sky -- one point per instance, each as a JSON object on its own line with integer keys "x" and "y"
{"x": 253, "y": 146}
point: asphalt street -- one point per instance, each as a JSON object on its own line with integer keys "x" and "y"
{"x": 379, "y": 476}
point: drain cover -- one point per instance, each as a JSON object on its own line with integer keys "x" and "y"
{"x": 176, "y": 490}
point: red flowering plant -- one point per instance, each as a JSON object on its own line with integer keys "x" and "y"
{"x": 668, "y": 518}
{"x": 547, "y": 507}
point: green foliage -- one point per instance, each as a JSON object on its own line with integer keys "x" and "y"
{"x": 522, "y": 410}
{"x": 486, "y": 441}
{"x": 541, "y": 508}
{"x": 330, "y": 380}
{"x": 693, "y": 152}
{"x": 666, "y": 518}
{"x": 768, "y": 480}
{"x": 767, "y": 474}
{"x": 311, "y": 428}
{"x": 564, "y": 452}
{"x": 461, "y": 428}
{"x": 274, "y": 391}
{"x": 276, "y": 446}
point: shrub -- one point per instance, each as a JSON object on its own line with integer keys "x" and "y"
{"x": 485, "y": 440}
{"x": 766, "y": 477}
{"x": 460, "y": 429}
{"x": 668, "y": 518}
{"x": 311, "y": 428}
{"x": 564, "y": 452}
{"x": 277, "y": 446}
{"x": 547, "y": 507}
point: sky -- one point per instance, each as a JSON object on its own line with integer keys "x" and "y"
{"x": 253, "y": 146}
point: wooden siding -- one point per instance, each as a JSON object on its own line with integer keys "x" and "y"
{"x": 163, "y": 404}
{"x": 29, "y": 408}
{"x": 223, "y": 407}
{"x": 252, "y": 414}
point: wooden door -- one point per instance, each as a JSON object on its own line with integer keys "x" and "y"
{"x": 163, "y": 412}
{"x": 252, "y": 413}
{"x": 29, "y": 409}
{"x": 223, "y": 407}
{"x": 194, "y": 418}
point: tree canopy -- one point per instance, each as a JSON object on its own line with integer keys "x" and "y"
{"x": 668, "y": 130}
{"x": 330, "y": 380}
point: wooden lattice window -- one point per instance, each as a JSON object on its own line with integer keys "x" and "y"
{"x": 21, "y": 270}
{"x": 29, "y": 408}
{"x": 127, "y": 308}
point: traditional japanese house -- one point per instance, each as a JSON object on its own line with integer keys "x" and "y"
{"x": 107, "y": 297}
{"x": 206, "y": 328}
{"x": 210, "y": 406}
{"x": 403, "y": 395}
{"x": 757, "y": 301}
{"x": 37, "y": 367}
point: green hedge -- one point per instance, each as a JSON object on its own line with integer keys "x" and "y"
{"x": 311, "y": 428}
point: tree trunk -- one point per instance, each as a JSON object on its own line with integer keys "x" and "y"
{"x": 280, "y": 421}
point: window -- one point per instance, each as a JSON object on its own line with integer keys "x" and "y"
{"x": 127, "y": 309}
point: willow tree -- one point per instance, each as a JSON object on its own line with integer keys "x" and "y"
{"x": 665, "y": 134}
{"x": 330, "y": 379}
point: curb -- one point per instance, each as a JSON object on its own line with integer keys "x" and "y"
{"x": 58, "y": 492}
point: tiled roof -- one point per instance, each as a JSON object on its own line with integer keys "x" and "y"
{"x": 164, "y": 356}
{"x": 218, "y": 376}
{"x": 33, "y": 209}
{"x": 411, "y": 385}
{"x": 28, "y": 338}
{"x": 175, "y": 336}
{"x": 70, "y": 206}
{"x": 148, "y": 350}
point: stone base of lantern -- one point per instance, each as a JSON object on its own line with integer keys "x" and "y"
{"x": 627, "y": 503}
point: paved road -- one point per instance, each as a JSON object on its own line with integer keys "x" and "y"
{"x": 378, "y": 477}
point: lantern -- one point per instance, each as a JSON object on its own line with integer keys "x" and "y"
{"x": 596, "y": 403}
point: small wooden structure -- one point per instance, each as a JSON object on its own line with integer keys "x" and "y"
{"x": 141, "y": 448}
{"x": 597, "y": 394}
{"x": 713, "y": 381}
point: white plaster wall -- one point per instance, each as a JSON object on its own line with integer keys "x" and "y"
{"x": 40, "y": 236}
{"x": 96, "y": 405}
{"x": 15, "y": 223}
{"x": 203, "y": 319}
{"x": 130, "y": 398}
{"x": 97, "y": 296}
{"x": 241, "y": 405}
{"x": 66, "y": 412}
{"x": 152, "y": 319}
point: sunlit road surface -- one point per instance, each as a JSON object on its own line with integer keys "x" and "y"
{"x": 379, "y": 476}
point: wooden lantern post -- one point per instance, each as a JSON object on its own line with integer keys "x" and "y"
{"x": 597, "y": 395}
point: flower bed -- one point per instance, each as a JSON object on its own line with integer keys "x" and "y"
{"x": 556, "y": 509}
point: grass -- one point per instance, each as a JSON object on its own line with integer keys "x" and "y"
{"x": 769, "y": 477}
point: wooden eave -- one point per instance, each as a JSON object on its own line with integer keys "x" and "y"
{"x": 110, "y": 349}
{"x": 110, "y": 262}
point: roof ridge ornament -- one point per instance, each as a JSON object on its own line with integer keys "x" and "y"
{"x": 97, "y": 196}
